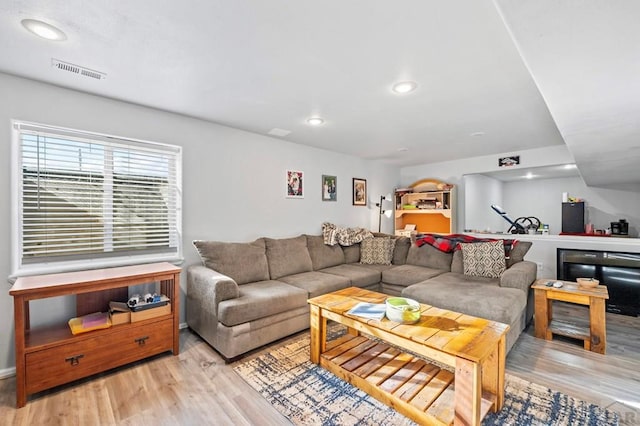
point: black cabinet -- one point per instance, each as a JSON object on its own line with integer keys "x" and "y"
{"x": 573, "y": 217}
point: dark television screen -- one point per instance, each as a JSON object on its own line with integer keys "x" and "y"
{"x": 620, "y": 272}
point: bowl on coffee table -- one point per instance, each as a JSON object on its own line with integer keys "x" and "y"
{"x": 403, "y": 310}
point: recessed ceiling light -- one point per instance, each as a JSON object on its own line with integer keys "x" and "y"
{"x": 476, "y": 134}
{"x": 315, "y": 121}
{"x": 44, "y": 30}
{"x": 404, "y": 87}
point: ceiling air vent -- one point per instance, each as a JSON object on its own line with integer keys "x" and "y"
{"x": 77, "y": 69}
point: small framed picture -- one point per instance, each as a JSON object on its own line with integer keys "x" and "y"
{"x": 513, "y": 160}
{"x": 359, "y": 192}
{"x": 329, "y": 188}
{"x": 295, "y": 188}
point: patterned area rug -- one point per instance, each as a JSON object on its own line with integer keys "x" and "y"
{"x": 309, "y": 395}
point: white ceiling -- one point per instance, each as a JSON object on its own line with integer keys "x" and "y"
{"x": 257, "y": 65}
{"x": 585, "y": 58}
{"x": 546, "y": 172}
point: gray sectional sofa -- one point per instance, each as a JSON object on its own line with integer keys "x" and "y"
{"x": 245, "y": 295}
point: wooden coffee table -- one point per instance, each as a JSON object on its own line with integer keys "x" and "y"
{"x": 594, "y": 337}
{"x": 456, "y": 376}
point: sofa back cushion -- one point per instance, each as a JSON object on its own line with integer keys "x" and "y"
{"x": 244, "y": 262}
{"x": 401, "y": 250}
{"x": 288, "y": 256}
{"x": 517, "y": 253}
{"x": 323, "y": 255}
{"x": 430, "y": 257}
{"x": 456, "y": 263}
{"x": 351, "y": 253}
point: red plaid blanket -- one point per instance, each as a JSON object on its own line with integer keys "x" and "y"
{"x": 450, "y": 243}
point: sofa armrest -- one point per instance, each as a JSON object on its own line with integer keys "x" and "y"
{"x": 520, "y": 275}
{"x": 206, "y": 288}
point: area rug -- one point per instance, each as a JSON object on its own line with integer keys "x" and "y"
{"x": 309, "y": 395}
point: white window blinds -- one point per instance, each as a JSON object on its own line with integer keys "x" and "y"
{"x": 86, "y": 196}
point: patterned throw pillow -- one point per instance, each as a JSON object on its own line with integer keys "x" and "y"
{"x": 377, "y": 251}
{"x": 484, "y": 259}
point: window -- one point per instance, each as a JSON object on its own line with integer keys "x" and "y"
{"x": 85, "y": 197}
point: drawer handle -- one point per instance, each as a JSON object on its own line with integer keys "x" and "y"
{"x": 142, "y": 340}
{"x": 74, "y": 360}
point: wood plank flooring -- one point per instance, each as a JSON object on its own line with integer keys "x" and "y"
{"x": 197, "y": 387}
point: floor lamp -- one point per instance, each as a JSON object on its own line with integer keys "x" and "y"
{"x": 382, "y": 211}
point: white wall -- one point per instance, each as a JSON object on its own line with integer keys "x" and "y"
{"x": 481, "y": 193}
{"x": 543, "y": 199}
{"x": 233, "y": 181}
{"x": 453, "y": 171}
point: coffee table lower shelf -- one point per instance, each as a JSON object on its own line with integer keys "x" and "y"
{"x": 421, "y": 391}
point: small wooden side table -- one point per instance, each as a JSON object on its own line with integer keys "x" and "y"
{"x": 594, "y": 337}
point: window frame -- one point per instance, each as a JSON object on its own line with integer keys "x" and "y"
{"x": 20, "y": 268}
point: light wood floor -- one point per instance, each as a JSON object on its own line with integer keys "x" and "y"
{"x": 197, "y": 388}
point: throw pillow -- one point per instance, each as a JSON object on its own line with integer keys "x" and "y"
{"x": 377, "y": 251}
{"x": 483, "y": 259}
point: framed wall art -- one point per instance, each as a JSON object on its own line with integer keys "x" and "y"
{"x": 295, "y": 187}
{"x": 359, "y": 192}
{"x": 329, "y": 188}
{"x": 513, "y": 160}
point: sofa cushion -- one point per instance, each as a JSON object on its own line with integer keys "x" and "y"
{"x": 316, "y": 283}
{"x": 401, "y": 250}
{"x": 456, "y": 263}
{"x": 430, "y": 257}
{"x": 483, "y": 259}
{"x": 377, "y": 251}
{"x": 351, "y": 253}
{"x": 359, "y": 275}
{"x": 322, "y": 255}
{"x": 476, "y": 296}
{"x": 405, "y": 275}
{"x": 288, "y": 256}
{"x": 517, "y": 252}
{"x": 244, "y": 262}
{"x": 379, "y": 268}
{"x": 260, "y": 299}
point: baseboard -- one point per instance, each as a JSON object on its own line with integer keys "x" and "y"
{"x": 7, "y": 372}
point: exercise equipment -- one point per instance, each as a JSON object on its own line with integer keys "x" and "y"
{"x": 521, "y": 225}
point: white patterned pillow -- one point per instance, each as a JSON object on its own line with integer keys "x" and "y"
{"x": 484, "y": 259}
{"x": 377, "y": 251}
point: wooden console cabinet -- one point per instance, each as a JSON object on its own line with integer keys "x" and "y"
{"x": 50, "y": 355}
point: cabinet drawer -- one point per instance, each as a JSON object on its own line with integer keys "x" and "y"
{"x": 108, "y": 349}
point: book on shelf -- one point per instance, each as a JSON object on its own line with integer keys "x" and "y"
{"x": 89, "y": 322}
{"x": 369, "y": 310}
